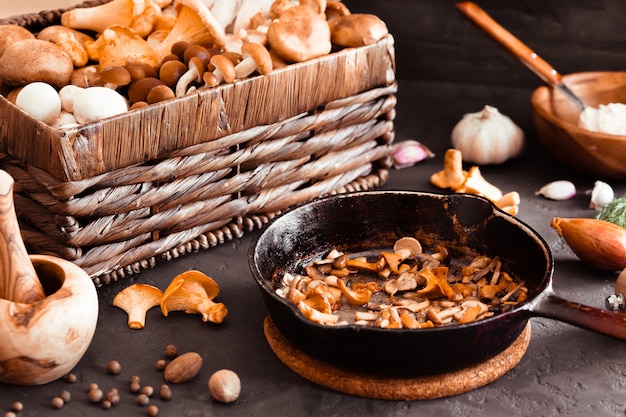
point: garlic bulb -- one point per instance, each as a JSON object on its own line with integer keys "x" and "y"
{"x": 488, "y": 137}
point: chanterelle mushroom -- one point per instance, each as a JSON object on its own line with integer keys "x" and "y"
{"x": 193, "y": 292}
{"x": 136, "y": 300}
{"x": 194, "y": 24}
{"x": 119, "y": 45}
{"x": 98, "y": 18}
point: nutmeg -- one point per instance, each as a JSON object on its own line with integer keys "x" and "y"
{"x": 183, "y": 368}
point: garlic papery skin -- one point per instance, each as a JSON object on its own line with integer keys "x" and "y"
{"x": 601, "y": 195}
{"x": 488, "y": 137}
{"x": 409, "y": 152}
{"x": 557, "y": 190}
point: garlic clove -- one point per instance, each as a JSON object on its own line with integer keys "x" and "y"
{"x": 488, "y": 137}
{"x": 558, "y": 190}
{"x": 598, "y": 243}
{"x": 601, "y": 195}
{"x": 409, "y": 152}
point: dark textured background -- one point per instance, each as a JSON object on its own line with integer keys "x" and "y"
{"x": 446, "y": 67}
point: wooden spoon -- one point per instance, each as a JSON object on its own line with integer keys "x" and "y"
{"x": 519, "y": 50}
{"x": 18, "y": 279}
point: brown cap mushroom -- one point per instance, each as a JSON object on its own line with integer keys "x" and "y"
{"x": 160, "y": 93}
{"x": 10, "y": 34}
{"x": 194, "y": 24}
{"x": 171, "y": 71}
{"x": 224, "y": 68}
{"x": 196, "y": 69}
{"x": 98, "y": 18}
{"x": 31, "y": 60}
{"x": 357, "y": 29}
{"x": 255, "y": 58}
{"x": 136, "y": 300}
{"x": 299, "y": 34}
{"x": 138, "y": 90}
{"x": 87, "y": 76}
{"x": 115, "y": 76}
{"x": 193, "y": 292}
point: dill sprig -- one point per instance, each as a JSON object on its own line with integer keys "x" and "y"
{"x": 614, "y": 212}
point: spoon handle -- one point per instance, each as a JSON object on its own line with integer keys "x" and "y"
{"x": 18, "y": 279}
{"x": 507, "y": 40}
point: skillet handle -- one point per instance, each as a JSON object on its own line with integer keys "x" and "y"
{"x": 591, "y": 318}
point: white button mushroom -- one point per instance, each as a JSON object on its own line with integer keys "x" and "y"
{"x": 97, "y": 103}
{"x": 68, "y": 94}
{"x": 40, "y": 100}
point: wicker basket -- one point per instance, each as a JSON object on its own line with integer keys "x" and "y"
{"x": 190, "y": 173}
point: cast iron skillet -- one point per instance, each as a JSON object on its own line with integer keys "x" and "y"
{"x": 375, "y": 219}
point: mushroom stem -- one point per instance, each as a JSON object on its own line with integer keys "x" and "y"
{"x": 19, "y": 281}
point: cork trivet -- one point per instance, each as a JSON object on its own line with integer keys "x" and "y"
{"x": 389, "y": 388}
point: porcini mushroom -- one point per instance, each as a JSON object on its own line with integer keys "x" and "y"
{"x": 98, "y": 18}
{"x": 194, "y": 24}
{"x": 255, "y": 58}
{"x": 136, "y": 300}
{"x": 357, "y": 29}
{"x": 31, "y": 60}
{"x": 299, "y": 34}
{"x": 193, "y": 292}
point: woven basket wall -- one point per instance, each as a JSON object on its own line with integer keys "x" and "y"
{"x": 190, "y": 173}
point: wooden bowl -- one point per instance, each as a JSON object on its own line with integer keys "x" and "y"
{"x": 556, "y": 119}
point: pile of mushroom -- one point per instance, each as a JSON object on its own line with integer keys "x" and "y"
{"x": 192, "y": 292}
{"x": 402, "y": 288}
{"x": 455, "y": 178}
{"x": 148, "y": 51}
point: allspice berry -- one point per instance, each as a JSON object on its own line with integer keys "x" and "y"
{"x": 225, "y": 386}
{"x": 114, "y": 367}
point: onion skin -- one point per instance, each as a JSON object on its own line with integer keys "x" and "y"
{"x": 598, "y": 243}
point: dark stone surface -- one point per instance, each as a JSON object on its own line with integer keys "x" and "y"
{"x": 446, "y": 68}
